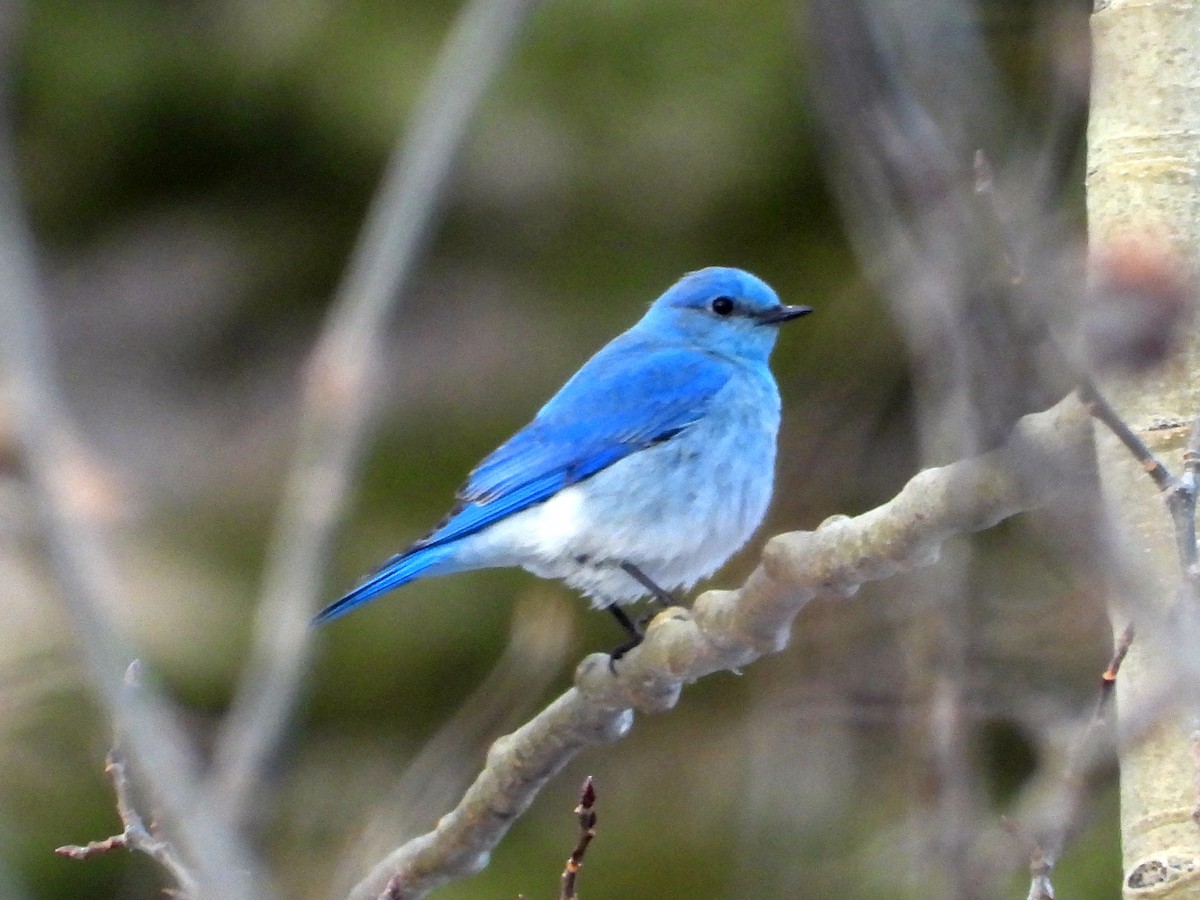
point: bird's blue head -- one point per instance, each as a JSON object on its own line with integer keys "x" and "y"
{"x": 721, "y": 310}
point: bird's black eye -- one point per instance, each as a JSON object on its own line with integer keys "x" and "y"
{"x": 722, "y": 306}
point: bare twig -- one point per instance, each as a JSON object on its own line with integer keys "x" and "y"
{"x": 1180, "y": 498}
{"x": 587, "y": 831}
{"x": 339, "y": 396}
{"x": 1108, "y": 679}
{"x": 726, "y": 630}
{"x": 135, "y": 835}
{"x": 1103, "y": 411}
{"x": 1040, "y": 887}
{"x": 1081, "y": 757}
{"x": 117, "y": 841}
{"x": 1179, "y": 494}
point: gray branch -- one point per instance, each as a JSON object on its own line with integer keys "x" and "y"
{"x": 337, "y": 404}
{"x": 1039, "y": 465}
{"x": 159, "y": 749}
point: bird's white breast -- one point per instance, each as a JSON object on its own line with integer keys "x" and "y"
{"x": 677, "y": 510}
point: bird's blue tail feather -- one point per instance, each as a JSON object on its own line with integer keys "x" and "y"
{"x": 397, "y": 571}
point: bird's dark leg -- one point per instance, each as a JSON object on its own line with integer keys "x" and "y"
{"x": 663, "y": 597}
{"x": 635, "y": 633}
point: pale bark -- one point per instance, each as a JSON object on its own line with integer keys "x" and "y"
{"x": 1143, "y": 184}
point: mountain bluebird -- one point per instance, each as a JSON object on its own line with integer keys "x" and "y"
{"x": 650, "y": 467}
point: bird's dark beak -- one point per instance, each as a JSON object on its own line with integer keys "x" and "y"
{"x": 781, "y": 314}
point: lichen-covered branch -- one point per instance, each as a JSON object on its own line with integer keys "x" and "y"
{"x": 1046, "y": 460}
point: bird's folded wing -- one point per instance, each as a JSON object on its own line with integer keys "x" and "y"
{"x": 625, "y": 399}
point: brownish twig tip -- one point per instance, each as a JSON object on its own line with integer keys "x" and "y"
{"x": 1100, "y": 409}
{"x": 587, "y": 798}
{"x": 1123, "y": 643}
{"x": 587, "y": 831}
{"x": 94, "y": 848}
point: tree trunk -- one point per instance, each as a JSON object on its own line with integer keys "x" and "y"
{"x": 1143, "y": 185}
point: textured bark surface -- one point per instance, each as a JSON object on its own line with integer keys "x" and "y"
{"x": 1143, "y": 184}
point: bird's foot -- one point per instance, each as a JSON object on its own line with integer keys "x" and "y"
{"x": 635, "y": 630}
{"x": 618, "y": 652}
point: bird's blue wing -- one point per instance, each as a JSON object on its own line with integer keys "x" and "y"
{"x": 629, "y": 396}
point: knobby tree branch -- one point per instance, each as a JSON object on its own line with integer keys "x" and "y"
{"x": 540, "y": 639}
{"x": 1039, "y": 465}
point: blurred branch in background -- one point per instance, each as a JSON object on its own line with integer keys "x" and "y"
{"x": 135, "y": 834}
{"x": 980, "y": 279}
{"x": 337, "y": 405}
{"x": 159, "y": 749}
{"x": 341, "y": 390}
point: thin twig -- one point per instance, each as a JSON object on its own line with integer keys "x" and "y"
{"x": 1179, "y": 494}
{"x": 1182, "y": 502}
{"x": 340, "y": 394}
{"x": 587, "y": 831}
{"x": 1077, "y": 760}
{"x": 1044, "y": 856}
{"x": 1040, "y": 867}
{"x": 1102, "y": 410}
{"x": 135, "y": 835}
{"x": 1180, "y": 497}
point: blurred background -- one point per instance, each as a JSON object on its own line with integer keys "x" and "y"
{"x": 195, "y": 175}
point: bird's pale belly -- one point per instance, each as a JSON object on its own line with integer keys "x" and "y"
{"x": 677, "y": 511}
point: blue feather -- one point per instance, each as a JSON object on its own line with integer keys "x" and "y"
{"x": 397, "y": 571}
{"x": 598, "y": 418}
